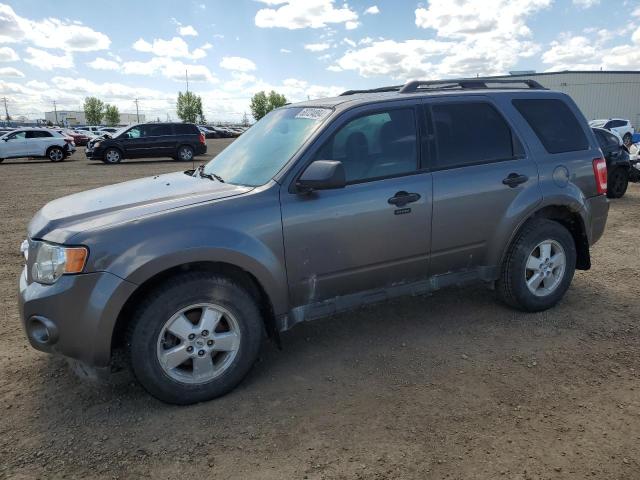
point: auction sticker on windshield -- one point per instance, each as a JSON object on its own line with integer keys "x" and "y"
{"x": 313, "y": 113}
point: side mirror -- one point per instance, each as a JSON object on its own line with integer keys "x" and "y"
{"x": 322, "y": 175}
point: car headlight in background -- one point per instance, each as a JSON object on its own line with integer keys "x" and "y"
{"x": 52, "y": 261}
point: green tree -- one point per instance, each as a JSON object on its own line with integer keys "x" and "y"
{"x": 93, "y": 110}
{"x": 261, "y": 103}
{"x": 111, "y": 115}
{"x": 189, "y": 107}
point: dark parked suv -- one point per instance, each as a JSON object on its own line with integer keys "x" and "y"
{"x": 181, "y": 141}
{"x": 320, "y": 207}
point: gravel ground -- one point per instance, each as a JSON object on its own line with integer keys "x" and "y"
{"x": 453, "y": 385}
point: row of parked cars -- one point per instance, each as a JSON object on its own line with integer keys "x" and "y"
{"x": 619, "y": 144}
{"x": 182, "y": 141}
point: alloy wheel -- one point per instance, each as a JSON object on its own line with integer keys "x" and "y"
{"x": 198, "y": 343}
{"x": 545, "y": 268}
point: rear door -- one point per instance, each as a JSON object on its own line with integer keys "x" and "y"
{"x": 364, "y": 237}
{"x": 37, "y": 142}
{"x": 482, "y": 179}
{"x": 159, "y": 140}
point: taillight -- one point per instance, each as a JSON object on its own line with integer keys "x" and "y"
{"x": 202, "y": 141}
{"x": 600, "y": 172}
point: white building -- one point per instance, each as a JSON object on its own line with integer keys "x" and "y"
{"x": 72, "y": 118}
{"x": 599, "y": 94}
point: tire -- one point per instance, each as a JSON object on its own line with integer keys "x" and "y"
{"x": 55, "y": 154}
{"x": 515, "y": 273}
{"x": 617, "y": 182}
{"x": 627, "y": 137}
{"x": 185, "y": 153}
{"x": 112, "y": 156}
{"x": 153, "y": 326}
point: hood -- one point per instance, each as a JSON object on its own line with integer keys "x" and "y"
{"x": 60, "y": 219}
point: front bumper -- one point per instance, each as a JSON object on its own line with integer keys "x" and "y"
{"x": 79, "y": 313}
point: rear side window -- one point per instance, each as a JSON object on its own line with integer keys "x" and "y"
{"x": 185, "y": 129}
{"x": 554, "y": 123}
{"x": 472, "y": 133}
{"x": 158, "y": 130}
{"x": 38, "y": 134}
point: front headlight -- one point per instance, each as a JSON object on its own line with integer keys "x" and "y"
{"x": 52, "y": 261}
{"x": 96, "y": 144}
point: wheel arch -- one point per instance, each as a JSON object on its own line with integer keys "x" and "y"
{"x": 229, "y": 270}
{"x": 568, "y": 218}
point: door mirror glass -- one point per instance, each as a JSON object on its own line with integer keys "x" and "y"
{"x": 322, "y": 175}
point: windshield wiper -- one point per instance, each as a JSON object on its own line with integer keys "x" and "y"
{"x": 211, "y": 176}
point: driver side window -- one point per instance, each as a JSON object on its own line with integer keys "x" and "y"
{"x": 17, "y": 136}
{"x": 373, "y": 146}
{"x": 135, "y": 132}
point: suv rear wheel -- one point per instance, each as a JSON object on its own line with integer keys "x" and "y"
{"x": 617, "y": 182}
{"x": 55, "y": 154}
{"x": 539, "y": 266}
{"x": 194, "y": 338}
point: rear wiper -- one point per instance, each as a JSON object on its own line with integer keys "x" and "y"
{"x": 211, "y": 176}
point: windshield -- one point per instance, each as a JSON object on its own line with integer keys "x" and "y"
{"x": 255, "y": 157}
{"x": 117, "y": 133}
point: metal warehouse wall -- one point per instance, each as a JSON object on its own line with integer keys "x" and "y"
{"x": 598, "y": 94}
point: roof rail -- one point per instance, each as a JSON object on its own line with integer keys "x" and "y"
{"x": 464, "y": 83}
{"x": 393, "y": 88}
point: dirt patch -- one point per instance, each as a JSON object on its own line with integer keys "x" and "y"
{"x": 453, "y": 385}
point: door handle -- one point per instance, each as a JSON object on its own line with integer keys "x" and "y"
{"x": 402, "y": 198}
{"x": 515, "y": 179}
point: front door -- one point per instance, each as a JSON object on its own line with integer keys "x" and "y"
{"x": 365, "y": 237}
{"x": 482, "y": 179}
{"x": 14, "y": 145}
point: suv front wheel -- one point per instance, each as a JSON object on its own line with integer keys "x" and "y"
{"x": 539, "y": 266}
{"x": 194, "y": 338}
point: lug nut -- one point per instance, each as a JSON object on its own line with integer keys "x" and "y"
{"x": 209, "y": 342}
{"x": 189, "y": 349}
{"x": 201, "y": 352}
{"x": 192, "y": 336}
{"x": 205, "y": 333}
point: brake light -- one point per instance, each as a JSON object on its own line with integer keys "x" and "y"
{"x": 202, "y": 138}
{"x": 600, "y": 172}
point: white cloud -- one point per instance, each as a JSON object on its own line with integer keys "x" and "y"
{"x": 317, "y": 47}
{"x": 11, "y": 72}
{"x": 239, "y": 64}
{"x": 285, "y": 50}
{"x": 48, "y": 61}
{"x": 170, "y": 68}
{"x": 187, "y": 30}
{"x": 585, "y": 3}
{"x": 103, "y": 64}
{"x": 372, "y": 10}
{"x": 349, "y": 42}
{"x": 173, "y": 48}
{"x": 295, "y": 14}
{"x": 472, "y": 37}
{"x": 351, "y": 25}
{"x": 8, "y": 54}
{"x": 50, "y": 33}
{"x": 37, "y": 84}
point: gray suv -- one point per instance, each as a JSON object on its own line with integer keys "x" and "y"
{"x": 320, "y": 207}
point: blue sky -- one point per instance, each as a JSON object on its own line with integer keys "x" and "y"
{"x": 119, "y": 50}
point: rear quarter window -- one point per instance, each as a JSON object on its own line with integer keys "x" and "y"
{"x": 554, "y": 123}
{"x": 185, "y": 129}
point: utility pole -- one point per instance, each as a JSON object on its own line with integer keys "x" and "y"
{"x": 137, "y": 111}
{"x": 186, "y": 76}
{"x": 55, "y": 110}
{"x": 6, "y": 110}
